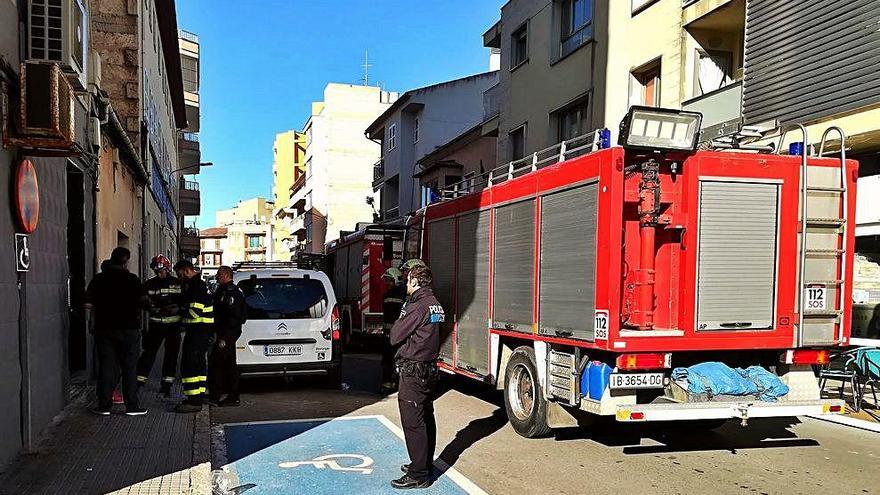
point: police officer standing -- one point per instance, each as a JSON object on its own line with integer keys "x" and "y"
{"x": 229, "y": 316}
{"x": 392, "y": 303}
{"x": 417, "y": 333}
{"x": 163, "y": 292}
{"x": 198, "y": 323}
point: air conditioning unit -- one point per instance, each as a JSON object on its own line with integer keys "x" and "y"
{"x": 57, "y": 32}
{"x": 46, "y": 106}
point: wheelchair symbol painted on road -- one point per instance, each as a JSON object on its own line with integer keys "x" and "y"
{"x": 329, "y": 461}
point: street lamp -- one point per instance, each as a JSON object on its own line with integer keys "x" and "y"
{"x": 203, "y": 164}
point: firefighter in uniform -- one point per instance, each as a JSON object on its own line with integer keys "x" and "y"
{"x": 392, "y": 303}
{"x": 197, "y": 310}
{"x": 417, "y": 334}
{"x": 163, "y": 292}
{"x": 229, "y": 315}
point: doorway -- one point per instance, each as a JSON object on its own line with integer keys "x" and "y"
{"x": 76, "y": 281}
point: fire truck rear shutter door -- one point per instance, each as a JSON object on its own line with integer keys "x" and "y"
{"x": 514, "y": 266}
{"x": 355, "y": 266}
{"x": 568, "y": 262}
{"x": 737, "y": 255}
{"x": 442, "y": 262}
{"x": 340, "y": 272}
{"x": 472, "y": 351}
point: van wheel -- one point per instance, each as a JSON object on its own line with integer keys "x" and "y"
{"x": 523, "y": 396}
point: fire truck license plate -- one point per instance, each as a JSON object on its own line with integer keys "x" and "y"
{"x": 636, "y": 380}
{"x": 284, "y": 350}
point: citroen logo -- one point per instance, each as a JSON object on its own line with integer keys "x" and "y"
{"x": 282, "y": 326}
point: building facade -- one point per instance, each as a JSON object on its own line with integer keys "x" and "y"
{"x": 242, "y": 233}
{"x": 338, "y": 165}
{"x": 189, "y": 151}
{"x": 288, "y": 173}
{"x": 416, "y": 124}
{"x": 213, "y": 243}
{"x": 455, "y": 165}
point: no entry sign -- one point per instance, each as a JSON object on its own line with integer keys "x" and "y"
{"x": 27, "y": 196}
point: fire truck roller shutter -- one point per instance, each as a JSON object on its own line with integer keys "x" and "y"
{"x": 355, "y": 267}
{"x": 472, "y": 294}
{"x": 736, "y": 271}
{"x": 441, "y": 259}
{"x": 340, "y": 272}
{"x": 568, "y": 262}
{"x": 514, "y": 273}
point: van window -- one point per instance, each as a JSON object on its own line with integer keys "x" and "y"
{"x": 284, "y": 298}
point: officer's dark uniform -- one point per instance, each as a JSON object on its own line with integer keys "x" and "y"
{"x": 198, "y": 325}
{"x": 229, "y": 315}
{"x": 164, "y": 295}
{"x": 417, "y": 333}
{"x": 392, "y": 303}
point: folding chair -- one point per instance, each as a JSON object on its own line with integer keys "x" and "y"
{"x": 868, "y": 369}
{"x": 842, "y": 367}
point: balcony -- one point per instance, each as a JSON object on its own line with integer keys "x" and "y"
{"x": 189, "y": 242}
{"x": 867, "y": 211}
{"x": 378, "y": 174}
{"x": 491, "y": 102}
{"x": 190, "y": 198}
{"x": 188, "y": 152}
{"x": 721, "y": 109}
{"x": 298, "y": 184}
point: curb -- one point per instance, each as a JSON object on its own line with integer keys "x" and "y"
{"x": 850, "y": 422}
{"x": 200, "y": 473}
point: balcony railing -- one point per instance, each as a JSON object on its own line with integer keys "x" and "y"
{"x": 188, "y": 36}
{"x": 378, "y": 171}
{"x": 189, "y": 232}
{"x": 491, "y": 102}
{"x": 298, "y": 184}
{"x": 189, "y": 185}
{"x": 192, "y": 137}
{"x": 719, "y": 107}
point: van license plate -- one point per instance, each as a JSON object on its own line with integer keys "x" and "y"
{"x": 283, "y": 350}
{"x": 636, "y": 380}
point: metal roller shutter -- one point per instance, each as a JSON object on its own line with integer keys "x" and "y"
{"x": 472, "y": 294}
{"x": 442, "y": 262}
{"x": 736, "y": 271}
{"x": 513, "y": 297}
{"x": 355, "y": 269}
{"x": 568, "y": 263}
{"x": 340, "y": 271}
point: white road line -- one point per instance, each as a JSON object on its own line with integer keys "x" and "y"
{"x": 851, "y": 422}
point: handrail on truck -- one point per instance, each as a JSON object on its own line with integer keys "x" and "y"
{"x": 844, "y": 215}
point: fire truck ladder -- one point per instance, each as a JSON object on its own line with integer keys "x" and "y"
{"x": 822, "y": 260}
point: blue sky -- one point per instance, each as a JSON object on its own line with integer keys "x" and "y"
{"x": 265, "y": 61}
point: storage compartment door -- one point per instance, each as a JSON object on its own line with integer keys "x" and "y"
{"x": 736, "y": 271}
{"x": 355, "y": 270}
{"x": 340, "y": 272}
{"x": 568, "y": 263}
{"x": 441, "y": 259}
{"x": 472, "y": 294}
{"x": 514, "y": 273}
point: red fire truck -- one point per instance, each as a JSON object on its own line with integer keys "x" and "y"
{"x": 641, "y": 258}
{"x": 355, "y": 264}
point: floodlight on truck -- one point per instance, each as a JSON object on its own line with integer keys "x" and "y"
{"x": 660, "y": 129}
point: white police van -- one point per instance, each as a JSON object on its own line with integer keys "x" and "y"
{"x": 292, "y": 321}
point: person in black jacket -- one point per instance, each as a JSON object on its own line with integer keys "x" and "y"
{"x": 116, "y": 297}
{"x": 229, "y": 315}
{"x": 197, "y": 310}
{"x": 392, "y": 302}
{"x": 417, "y": 333}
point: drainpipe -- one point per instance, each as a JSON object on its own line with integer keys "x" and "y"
{"x": 649, "y": 215}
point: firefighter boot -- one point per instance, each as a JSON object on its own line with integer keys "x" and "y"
{"x": 188, "y": 407}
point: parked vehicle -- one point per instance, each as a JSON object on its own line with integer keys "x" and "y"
{"x": 292, "y": 321}
{"x": 355, "y": 263}
{"x": 580, "y": 276}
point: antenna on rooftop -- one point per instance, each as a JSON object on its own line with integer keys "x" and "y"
{"x": 366, "y": 67}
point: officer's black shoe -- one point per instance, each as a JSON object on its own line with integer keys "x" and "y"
{"x": 230, "y": 402}
{"x": 101, "y": 411}
{"x": 404, "y": 468}
{"x": 406, "y": 482}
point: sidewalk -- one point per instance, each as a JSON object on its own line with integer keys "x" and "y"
{"x": 160, "y": 453}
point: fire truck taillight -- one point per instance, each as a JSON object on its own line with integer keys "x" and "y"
{"x": 334, "y": 324}
{"x": 660, "y": 129}
{"x": 806, "y": 356}
{"x": 644, "y": 361}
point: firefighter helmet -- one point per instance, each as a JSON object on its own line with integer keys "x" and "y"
{"x": 394, "y": 275}
{"x": 160, "y": 262}
{"x": 412, "y": 263}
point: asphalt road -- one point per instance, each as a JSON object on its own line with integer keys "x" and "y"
{"x": 769, "y": 457}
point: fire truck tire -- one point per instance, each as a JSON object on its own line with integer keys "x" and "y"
{"x": 523, "y": 397}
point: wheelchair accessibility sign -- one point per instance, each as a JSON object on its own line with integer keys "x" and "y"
{"x": 347, "y": 455}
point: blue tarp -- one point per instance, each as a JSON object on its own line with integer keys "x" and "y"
{"x": 714, "y": 378}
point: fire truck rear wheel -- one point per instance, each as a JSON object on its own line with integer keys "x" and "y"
{"x": 523, "y": 397}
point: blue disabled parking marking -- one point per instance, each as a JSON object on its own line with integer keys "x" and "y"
{"x": 348, "y": 455}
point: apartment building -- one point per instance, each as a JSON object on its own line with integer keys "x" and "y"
{"x": 339, "y": 162}
{"x": 415, "y": 125}
{"x": 288, "y": 173}
{"x": 189, "y": 151}
{"x": 241, "y": 233}
{"x": 455, "y": 165}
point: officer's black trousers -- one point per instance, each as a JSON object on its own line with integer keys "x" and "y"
{"x": 117, "y": 354}
{"x": 156, "y": 334}
{"x": 415, "y": 400}
{"x": 193, "y": 362}
{"x": 223, "y": 371}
